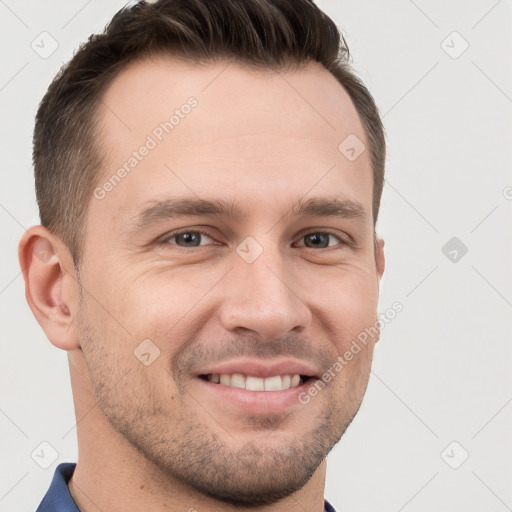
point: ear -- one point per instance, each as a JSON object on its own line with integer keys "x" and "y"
{"x": 380, "y": 260}
{"x": 51, "y": 287}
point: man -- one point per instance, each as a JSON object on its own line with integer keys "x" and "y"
{"x": 208, "y": 175}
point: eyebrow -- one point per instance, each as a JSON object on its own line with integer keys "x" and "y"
{"x": 177, "y": 208}
{"x": 323, "y": 207}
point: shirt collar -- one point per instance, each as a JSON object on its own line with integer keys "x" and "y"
{"x": 58, "y": 498}
{"x": 328, "y": 507}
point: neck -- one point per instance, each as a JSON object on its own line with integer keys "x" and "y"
{"x": 113, "y": 475}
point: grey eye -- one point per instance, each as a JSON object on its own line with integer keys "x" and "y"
{"x": 188, "y": 239}
{"x": 319, "y": 240}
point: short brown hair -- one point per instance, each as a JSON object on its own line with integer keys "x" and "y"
{"x": 273, "y": 34}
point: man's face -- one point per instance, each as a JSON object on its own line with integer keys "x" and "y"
{"x": 270, "y": 290}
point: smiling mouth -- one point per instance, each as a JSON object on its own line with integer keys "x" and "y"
{"x": 252, "y": 383}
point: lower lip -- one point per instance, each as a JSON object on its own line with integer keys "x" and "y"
{"x": 256, "y": 401}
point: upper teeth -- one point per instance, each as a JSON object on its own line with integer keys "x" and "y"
{"x": 237, "y": 380}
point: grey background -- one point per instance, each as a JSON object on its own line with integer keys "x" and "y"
{"x": 442, "y": 368}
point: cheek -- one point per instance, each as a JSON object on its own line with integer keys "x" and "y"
{"x": 351, "y": 381}
{"x": 122, "y": 361}
{"x": 163, "y": 308}
{"x": 349, "y": 299}
{"x": 350, "y": 309}
{"x": 145, "y": 305}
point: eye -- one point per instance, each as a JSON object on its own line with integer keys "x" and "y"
{"x": 186, "y": 238}
{"x": 320, "y": 240}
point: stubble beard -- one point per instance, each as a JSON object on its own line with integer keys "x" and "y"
{"x": 260, "y": 472}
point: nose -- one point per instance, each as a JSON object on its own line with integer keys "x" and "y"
{"x": 263, "y": 298}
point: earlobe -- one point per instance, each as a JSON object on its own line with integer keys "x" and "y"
{"x": 46, "y": 266}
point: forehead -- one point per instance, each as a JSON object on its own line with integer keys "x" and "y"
{"x": 304, "y": 101}
{"x": 221, "y": 129}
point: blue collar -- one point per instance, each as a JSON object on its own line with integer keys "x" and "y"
{"x": 58, "y": 498}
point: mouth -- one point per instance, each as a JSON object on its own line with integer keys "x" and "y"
{"x": 256, "y": 386}
{"x": 255, "y": 383}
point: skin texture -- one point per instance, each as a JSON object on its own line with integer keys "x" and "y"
{"x": 154, "y": 437}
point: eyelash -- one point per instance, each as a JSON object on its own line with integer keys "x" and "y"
{"x": 165, "y": 242}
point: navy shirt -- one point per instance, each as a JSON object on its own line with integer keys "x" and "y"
{"x": 58, "y": 498}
